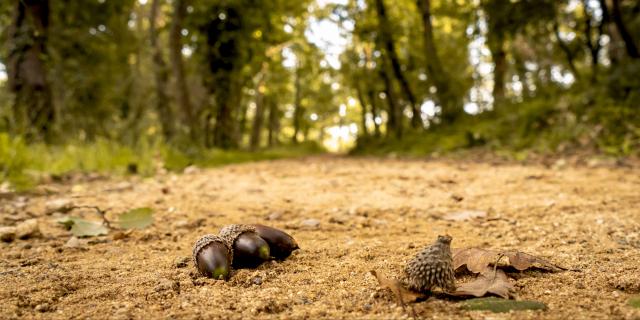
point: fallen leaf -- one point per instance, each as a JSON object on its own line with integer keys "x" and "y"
{"x": 477, "y": 259}
{"x": 489, "y": 281}
{"x": 85, "y": 228}
{"x": 500, "y": 305}
{"x": 402, "y": 294}
{"x": 67, "y": 221}
{"x": 465, "y": 215}
{"x": 139, "y": 218}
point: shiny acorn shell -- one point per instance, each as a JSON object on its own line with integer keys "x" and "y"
{"x": 213, "y": 257}
{"x": 249, "y": 249}
{"x": 280, "y": 242}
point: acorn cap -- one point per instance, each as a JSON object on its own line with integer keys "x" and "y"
{"x": 231, "y": 232}
{"x": 205, "y": 241}
{"x": 433, "y": 266}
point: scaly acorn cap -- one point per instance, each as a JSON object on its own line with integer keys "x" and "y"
{"x": 206, "y": 240}
{"x": 249, "y": 249}
{"x": 231, "y": 232}
{"x": 431, "y": 267}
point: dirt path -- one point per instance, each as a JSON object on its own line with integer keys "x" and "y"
{"x": 372, "y": 214}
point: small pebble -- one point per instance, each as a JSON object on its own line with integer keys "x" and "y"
{"x": 311, "y": 223}
{"x": 182, "y": 262}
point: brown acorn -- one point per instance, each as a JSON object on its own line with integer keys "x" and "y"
{"x": 213, "y": 257}
{"x": 280, "y": 242}
{"x": 249, "y": 249}
{"x": 431, "y": 267}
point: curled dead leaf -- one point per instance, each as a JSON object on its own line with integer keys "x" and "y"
{"x": 477, "y": 259}
{"x": 402, "y": 294}
{"x": 489, "y": 281}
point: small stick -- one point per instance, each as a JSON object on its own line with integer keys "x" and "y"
{"x": 101, "y": 212}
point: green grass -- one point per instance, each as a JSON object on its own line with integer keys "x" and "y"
{"x": 24, "y": 165}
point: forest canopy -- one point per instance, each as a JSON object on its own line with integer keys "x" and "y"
{"x": 409, "y": 76}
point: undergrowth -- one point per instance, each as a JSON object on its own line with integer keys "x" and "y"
{"x": 584, "y": 120}
{"x": 24, "y": 165}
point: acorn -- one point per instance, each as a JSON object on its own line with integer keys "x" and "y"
{"x": 213, "y": 257}
{"x": 280, "y": 242}
{"x": 249, "y": 249}
{"x": 431, "y": 267}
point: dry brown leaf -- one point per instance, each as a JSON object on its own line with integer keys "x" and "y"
{"x": 402, "y": 294}
{"x": 464, "y": 215}
{"x": 477, "y": 259}
{"x": 489, "y": 281}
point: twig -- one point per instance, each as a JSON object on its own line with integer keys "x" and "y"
{"x": 495, "y": 265}
{"x": 102, "y": 213}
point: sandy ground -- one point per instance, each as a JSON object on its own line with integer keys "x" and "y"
{"x": 349, "y": 216}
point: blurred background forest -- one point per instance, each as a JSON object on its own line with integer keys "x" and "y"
{"x": 141, "y": 85}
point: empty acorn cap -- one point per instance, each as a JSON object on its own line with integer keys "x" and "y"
{"x": 212, "y": 257}
{"x": 249, "y": 249}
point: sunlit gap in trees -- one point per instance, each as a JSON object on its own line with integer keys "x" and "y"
{"x": 332, "y": 37}
{"x": 3, "y": 73}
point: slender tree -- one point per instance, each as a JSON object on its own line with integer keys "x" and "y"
{"x": 175, "y": 48}
{"x": 161, "y": 75}
{"x": 450, "y": 102}
{"x": 386, "y": 36}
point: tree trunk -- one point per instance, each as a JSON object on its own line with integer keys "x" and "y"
{"x": 364, "y": 110}
{"x": 387, "y": 40}
{"x": 594, "y": 46}
{"x": 274, "y": 121}
{"x": 297, "y": 111}
{"x": 394, "y": 124}
{"x": 258, "y": 119}
{"x": 374, "y": 111}
{"x": 175, "y": 47}
{"x": 567, "y": 51}
{"x": 499, "y": 56}
{"x": 616, "y": 15}
{"x": 33, "y": 109}
{"x": 161, "y": 75}
{"x": 450, "y": 102}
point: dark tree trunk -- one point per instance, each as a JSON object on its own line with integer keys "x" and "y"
{"x": 499, "y": 56}
{"x": 593, "y": 45}
{"x": 258, "y": 119}
{"x": 616, "y": 15}
{"x": 387, "y": 39}
{"x": 175, "y": 47}
{"x": 33, "y": 109}
{"x": 223, "y": 55}
{"x": 567, "y": 51}
{"x": 394, "y": 124}
{"x": 298, "y": 112}
{"x": 450, "y": 102}
{"x": 274, "y": 121}
{"x": 374, "y": 111}
{"x": 161, "y": 75}
{"x": 364, "y": 110}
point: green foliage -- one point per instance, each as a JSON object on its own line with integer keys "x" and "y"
{"x": 23, "y": 166}
{"x": 138, "y": 218}
{"x": 635, "y": 302}
{"x": 84, "y": 228}
{"x": 501, "y": 305}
